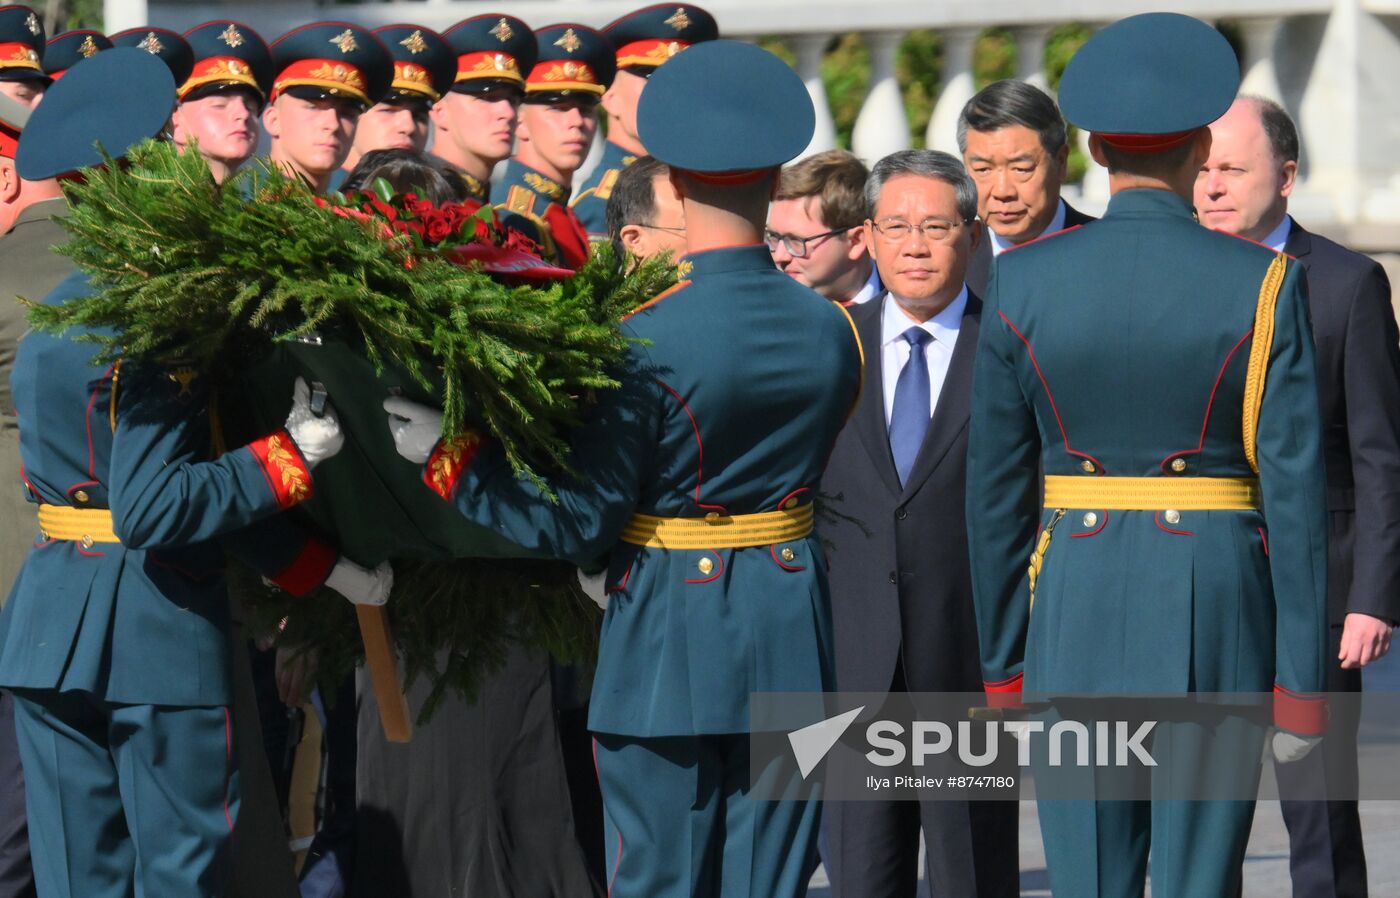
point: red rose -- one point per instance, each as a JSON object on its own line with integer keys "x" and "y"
{"x": 438, "y": 228}
{"x": 419, "y": 208}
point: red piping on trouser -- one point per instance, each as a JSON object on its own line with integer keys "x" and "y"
{"x": 228, "y": 765}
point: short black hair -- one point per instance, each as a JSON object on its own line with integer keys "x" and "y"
{"x": 1003, "y": 104}
{"x": 1278, "y": 127}
{"x": 633, "y": 199}
{"x": 407, "y": 171}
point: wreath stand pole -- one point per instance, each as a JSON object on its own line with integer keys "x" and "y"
{"x": 384, "y": 673}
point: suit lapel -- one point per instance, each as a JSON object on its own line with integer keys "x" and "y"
{"x": 954, "y": 400}
{"x": 869, "y": 419}
{"x": 1299, "y": 243}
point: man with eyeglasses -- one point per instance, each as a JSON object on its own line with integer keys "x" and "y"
{"x": 901, "y": 592}
{"x": 644, "y": 215}
{"x": 814, "y": 227}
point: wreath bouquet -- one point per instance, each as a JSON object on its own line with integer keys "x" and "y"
{"x": 258, "y": 281}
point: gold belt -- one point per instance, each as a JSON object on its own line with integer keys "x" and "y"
{"x": 82, "y": 525}
{"x": 717, "y": 531}
{"x": 1153, "y": 493}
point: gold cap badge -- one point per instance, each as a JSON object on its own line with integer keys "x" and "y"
{"x": 569, "y": 41}
{"x": 414, "y": 43}
{"x": 679, "y": 20}
{"x": 152, "y": 44}
{"x": 345, "y": 41}
{"x": 502, "y": 31}
{"x": 32, "y": 23}
{"x": 231, "y": 37}
{"x": 87, "y": 48}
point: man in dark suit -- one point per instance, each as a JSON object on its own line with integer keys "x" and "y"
{"x": 901, "y": 594}
{"x": 1012, "y": 138}
{"x": 1244, "y": 190}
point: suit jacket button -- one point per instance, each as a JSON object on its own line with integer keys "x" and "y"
{"x": 1172, "y": 516}
{"x": 81, "y": 497}
{"x": 1178, "y": 465}
{"x": 901, "y": 513}
{"x": 788, "y": 554}
{"x": 705, "y": 565}
{"x": 894, "y": 578}
{"x": 1087, "y": 466}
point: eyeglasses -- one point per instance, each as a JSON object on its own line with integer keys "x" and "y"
{"x": 935, "y": 230}
{"x": 650, "y": 227}
{"x": 797, "y": 247}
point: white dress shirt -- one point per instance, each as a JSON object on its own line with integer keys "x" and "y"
{"x": 1001, "y": 245}
{"x": 1279, "y": 235}
{"x": 872, "y": 288}
{"x": 938, "y": 352}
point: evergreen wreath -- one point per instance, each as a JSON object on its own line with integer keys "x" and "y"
{"x": 217, "y": 275}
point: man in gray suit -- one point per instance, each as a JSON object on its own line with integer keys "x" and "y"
{"x": 901, "y": 593}
{"x": 1012, "y": 138}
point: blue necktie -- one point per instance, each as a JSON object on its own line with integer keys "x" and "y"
{"x": 910, "y": 416}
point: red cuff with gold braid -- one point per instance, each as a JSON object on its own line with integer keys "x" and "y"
{"x": 1301, "y": 713}
{"x": 1005, "y": 693}
{"x": 448, "y": 462}
{"x": 284, "y": 468}
{"x": 308, "y": 570}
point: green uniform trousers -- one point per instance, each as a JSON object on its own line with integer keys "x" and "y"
{"x": 680, "y": 822}
{"x": 111, "y": 783}
{"x": 1099, "y": 849}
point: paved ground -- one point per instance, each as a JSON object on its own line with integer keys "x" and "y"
{"x": 1266, "y": 866}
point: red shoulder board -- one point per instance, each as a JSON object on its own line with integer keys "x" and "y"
{"x": 1042, "y": 237}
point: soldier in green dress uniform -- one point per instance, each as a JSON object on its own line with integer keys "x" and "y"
{"x": 326, "y": 74}
{"x": 1162, "y": 377}
{"x": 643, "y": 40}
{"x": 224, "y": 94}
{"x": 474, "y": 122}
{"x": 424, "y": 69}
{"x": 575, "y": 66}
{"x": 696, "y": 478}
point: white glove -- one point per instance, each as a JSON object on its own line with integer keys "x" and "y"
{"x": 595, "y": 587}
{"x": 416, "y": 427}
{"x": 1290, "y": 747}
{"x": 317, "y": 438}
{"x": 361, "y": 586}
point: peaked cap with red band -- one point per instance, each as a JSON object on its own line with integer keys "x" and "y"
{"x": 327, "y": 60}
{"x": 493, "y": 50}
{"x": 649, "y": 37}
{"x": 726, "y": 112}
{"x": 1150, "y": 82}
{"x": 227, "y": 55}
{"x": 162, "y": 43}
{"x": 66, "y": 50}
{"x": 21, "y": 45}
{"x": 573, "y": 59}
{"x": 424, "y": 63}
